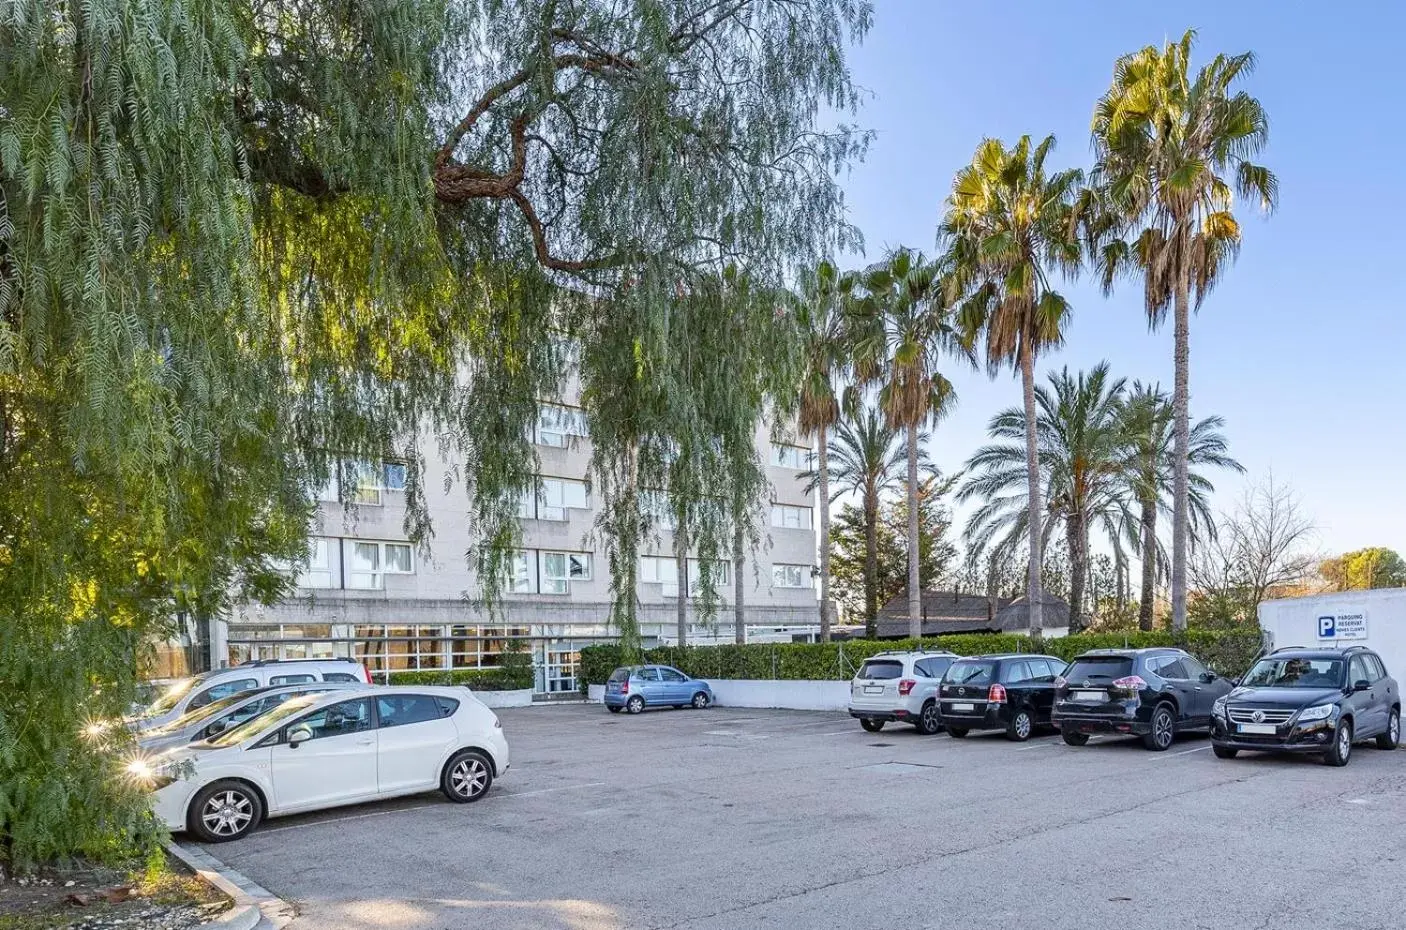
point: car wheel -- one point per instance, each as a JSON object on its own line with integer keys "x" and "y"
{"x": 1225, "y": 752}
{"x": 613, "y": 708}
{"x": 871, "y": 726}
{"x": 467, "y": 776}
{"x": 929, "y": 721}
{"x": 700, "y": 700}
{"x": 1342, "y": 744}
{"x": 957, "y": 732}
{"x": 635, "y": 704}
{"x": 224, "y": 811}
{"x": 1163, "y": 731}
{"x": 1392, "y": 736}
{"x": 1075, "y": 739}
{"x": 1020, "y": 726}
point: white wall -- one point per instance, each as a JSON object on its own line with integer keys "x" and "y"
{"x": 1295, "y": 622}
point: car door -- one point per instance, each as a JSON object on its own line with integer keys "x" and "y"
{"x": 1168, "y": 670}
{"x": 336, "y": 765}
{"x": 412, "y": 735}
{"x": 674, "y": 685}
{"x": 1385, "y": 690}
{"x": 1368, "y": 718}
{"x": 651, "y": 685}
{"x": 1204, "y": 692}
{"x": 1018, "y": 679}
{"x": 1042, "y": 687}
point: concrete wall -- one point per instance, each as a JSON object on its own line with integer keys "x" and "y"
{"x": 789, "y": 695}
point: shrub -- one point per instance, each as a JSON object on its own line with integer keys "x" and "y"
{"x": 1229, "y": 653}
{"x": 478, "y": 679}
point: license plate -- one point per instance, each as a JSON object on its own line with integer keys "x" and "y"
{"x": 961, "y": 707}
{"x": 1265, "y": 729}
{"x": 873, "y": 689}
{"x": 1089, "y": 697}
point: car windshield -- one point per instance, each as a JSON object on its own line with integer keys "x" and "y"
{"x": 172, "y": 696}
{"x": 968, "y": 672}
{"x": 881, "y": 669}
{"x": 204, "y": 713}
{"x": 1098, "y": 669}
{"x": 1295, "y": 672}
{"x": 263, "y": 723}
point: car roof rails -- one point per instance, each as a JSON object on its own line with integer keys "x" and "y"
{"x": 258, "y": 663}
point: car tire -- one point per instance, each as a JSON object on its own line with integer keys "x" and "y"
{"x": 613, "y": 708}
{"x": 1341, "y": 750}
{"x": 1162, "y": 730}
{"x": 929, "y": 721}
{"x": 635, "y": 704}
{"x": 871, "y": 726}
{"x": 1225, "y": 752}
{"x": 1392, "y": 737}
{"x": 1021, "y": 726}
{"x": 224, "y": 811}
{"x": 1075, "y": 739}
{"x": 467, "y": 776}
{"x": 958, "y": 732}
{"x": 700, "y": 700}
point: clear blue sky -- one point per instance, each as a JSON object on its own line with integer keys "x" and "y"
{"x": 1301, "y": 346}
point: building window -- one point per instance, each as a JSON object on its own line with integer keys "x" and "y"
{"x": 318, "y": 571}
{"x": 543, "y": 572}
{"x": 655, "y": 505}
{"x": 555, "y": 497}
{"x": 788, "y": 456}
{"x": 524, "y": 580}
{"x": 664, "y": 571}
{"x": 790, "y": 576}
{"x": 720, "y": 573}
{"x": 368, "y": 481}
{"x": 368, "y": 562}
{"x": 557, "y": 425}
{"x": 784, "y": 516}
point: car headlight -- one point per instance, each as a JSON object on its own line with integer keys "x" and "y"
{"x": 1317, "y": 712}
{"x": 150, "y": 774}
{"x": 1218, "y": 708}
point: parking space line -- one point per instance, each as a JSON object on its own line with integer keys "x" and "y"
{"x": 1184, "y": 752}
{"x": 1041, "y": 744}
{"x": 524, "y": 794}
{"x": 332, "y": 820}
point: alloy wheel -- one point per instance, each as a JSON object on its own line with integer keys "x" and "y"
{"x": 1022, "y": 725}
{"x": 931, "y": 720}
{"x": 469, "y": 777}
{"x": 700, "y": 700}
{"x": 1344, "y": 742}
{"x": 1163, "y": 729}
{"x": 1394, "y": 729}
{"x": 227, "y": 813}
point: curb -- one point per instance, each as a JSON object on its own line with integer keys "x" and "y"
{"x": 254, "y": 905}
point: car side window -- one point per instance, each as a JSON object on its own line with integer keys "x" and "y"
{"x": 223, "y": 690}
{"x": 447, "y": 706}
{"x": 339, "y": 677}
{"x": 669, "y": 674}
{"x": 1043, "y": 670}
{"x": 1376, "y": 666}
{"x": 1168, "y": 667}
{"x": 291, "y": 679}
{"x": 337, "y": 720}
{"x": 1193, "y": 668}
{"x": 1017, "y": 672}
{"x": 649, "y": 674}
{"x": 398, "y": 710}
{"x": 1358, "y": 671}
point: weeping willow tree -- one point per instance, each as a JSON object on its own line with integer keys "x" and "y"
{"x": 244, "y": 241}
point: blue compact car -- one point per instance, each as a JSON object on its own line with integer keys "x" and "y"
{"x": 636, "y": 687}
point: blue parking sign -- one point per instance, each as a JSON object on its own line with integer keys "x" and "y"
{"x": 1327, "y": 627}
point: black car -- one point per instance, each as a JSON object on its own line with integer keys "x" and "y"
{"x": 998, "y": 692}
{"x": 1310, "y": 700}
{"x": 1151, "y": 693}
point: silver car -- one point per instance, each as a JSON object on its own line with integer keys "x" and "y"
{"x": 227, "y": 713}
{"x": 899, "y": 686}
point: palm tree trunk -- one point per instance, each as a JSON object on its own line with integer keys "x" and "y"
{"x": 739, "y": 555}
{"x": 915, "y": 590}
{"x": 681, "y": 559}
{"x": 1079, "y": 567}
{"x": 1032, "y": 467}
{"x": 871, "y": 562}
{"x": 1149, "y": 563}
{"x": 823, "y": 472}
{"x": 1181, "y": 437}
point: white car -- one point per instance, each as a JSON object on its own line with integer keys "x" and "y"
{"x": 193, "y": 693}
{"x": 899, "y": 686}
{"x": 327, "y": 750}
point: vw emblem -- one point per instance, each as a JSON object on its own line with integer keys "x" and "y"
{"x": 961, "y": 690}
{"x": 1257, "y": 716}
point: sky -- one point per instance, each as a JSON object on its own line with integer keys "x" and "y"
{"x": 1300, "y": 348}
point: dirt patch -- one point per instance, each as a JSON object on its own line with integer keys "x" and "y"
{"x": 97, "y": 898}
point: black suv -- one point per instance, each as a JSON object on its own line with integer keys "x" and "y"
{"x": 1151, "y": 693}
{"x": 1310, "y": 700}
{"x": 998, "y": 692}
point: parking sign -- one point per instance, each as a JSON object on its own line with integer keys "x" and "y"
{"x": 1345, "y": 624}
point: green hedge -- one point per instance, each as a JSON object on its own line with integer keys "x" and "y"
{"x": 1228, "y": 653}
{"x": 479, "y": 679}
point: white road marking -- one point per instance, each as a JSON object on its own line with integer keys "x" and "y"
{"x": 329, "y": 820}
{"x": 524, "y": 794}
{"x": 1184, "y": 752}
{"x": 1040, "y": 745}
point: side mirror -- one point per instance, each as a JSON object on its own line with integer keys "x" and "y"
{"x": 299, "y": 735}
{"x": 1208, "y": 677}
{"x": 1361, "y": 684}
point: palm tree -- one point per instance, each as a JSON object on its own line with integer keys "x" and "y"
{"x": 1080, "y": 449}
{"x": 1172, "y": 153}
{"x": 1009, "y": 225}
{"x": 866, "y": 460}
{"x": 905, "y": 329}
{"x": 1149, "y": 471}
{"x": 826, "y": 346}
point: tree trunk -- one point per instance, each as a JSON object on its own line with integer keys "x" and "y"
{"x": 1078, "y": 567}
{"x": 823, "y": 472}
{"x": 1032, "y": 468}
{"x": 1120, "y": 572}
{"x": 1180, "y": 442}
{"x": 681, "y": 558}
{"x": 915, "y": 589}
{"x": 739, "y": 556}
{"x": 1149, "y": 563}
{"x": 871, "y": 562}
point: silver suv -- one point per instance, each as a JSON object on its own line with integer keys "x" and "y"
{"x": 899, "y": 686}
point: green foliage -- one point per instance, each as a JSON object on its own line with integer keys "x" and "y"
{"x": 1374, "y": 567}
{"x": 1227, "y": 653}
{"x": 478, "y": 679}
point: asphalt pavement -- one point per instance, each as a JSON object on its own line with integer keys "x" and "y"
{"x": 730, "y": 819}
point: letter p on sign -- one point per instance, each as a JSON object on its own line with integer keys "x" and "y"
{"x": 1326, "y": 627}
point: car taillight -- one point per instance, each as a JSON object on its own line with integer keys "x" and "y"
{"x": 997, "y": 695}
{"x": 905, "y": 685}
{"x": 365, "y": 673}
{"x": 1061, "y": 681}
{"x": 1130, "y": 683}
{"x": 625, "y": 686}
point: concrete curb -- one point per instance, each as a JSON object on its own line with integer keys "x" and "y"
{"x": 254, "y": 905}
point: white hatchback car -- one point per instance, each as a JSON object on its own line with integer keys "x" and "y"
{"x": 899, "y": 686}
{"x": 327, "y": 750}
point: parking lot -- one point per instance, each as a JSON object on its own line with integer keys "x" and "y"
{"x": 729, "y": 818}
